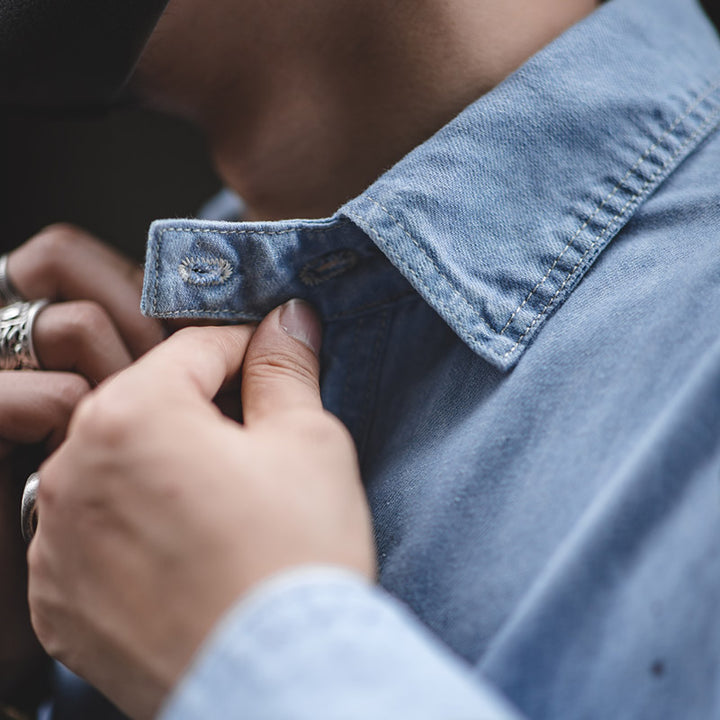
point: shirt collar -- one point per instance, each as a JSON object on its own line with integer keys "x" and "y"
{"x": 497, "y": 217}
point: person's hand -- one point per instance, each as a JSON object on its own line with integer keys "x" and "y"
{"x": 34, "y": 409}
{"x": 93, "y": 325}
{"x": 93, "y": 329}
{"x": 158, "y": 512}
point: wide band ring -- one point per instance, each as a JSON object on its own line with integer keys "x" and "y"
{"x": 8, "y": 293}
{"x": 28, "y": 507}
{"x": 17, "y": 351}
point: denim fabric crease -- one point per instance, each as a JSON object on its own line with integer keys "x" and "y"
{"x": 521, "y": 332}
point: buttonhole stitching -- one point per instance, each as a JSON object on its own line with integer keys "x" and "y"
{"x": 327, "y": 266}
{"x": 199, "y": 270}
{"x": 235, "y": 231}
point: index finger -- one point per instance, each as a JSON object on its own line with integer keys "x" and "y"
{"x": 196, "y": 359}
{"x": 36, "y": 406}
{"x": 66, "y": 263}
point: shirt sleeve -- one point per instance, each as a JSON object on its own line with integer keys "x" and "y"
{"x": 324, "y": 643}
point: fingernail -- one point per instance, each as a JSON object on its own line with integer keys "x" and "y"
{"x": 299, "y": 321}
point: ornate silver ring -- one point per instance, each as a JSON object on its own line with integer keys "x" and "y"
{"x": 28, "y": 509}
{"x": 17, "y": 351}
{"x": 8, "y": 293}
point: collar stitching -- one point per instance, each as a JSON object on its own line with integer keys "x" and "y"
{"x": 688, "y": 111}
{"x": 714, "y": 117}
{"x": 206, "y": 228}
{"x": 448, "y": 279}
{"x": 156, "y": 285}
{"x": 473, "y": 339}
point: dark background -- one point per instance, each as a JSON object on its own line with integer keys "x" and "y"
{"x": 111, "y": 174}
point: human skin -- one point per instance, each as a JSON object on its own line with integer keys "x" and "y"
{"x": 92, "y": 330}
{"x": 304, "y": 104}
{"x": 32, "y": 412}
{"x": 159, "y": 512}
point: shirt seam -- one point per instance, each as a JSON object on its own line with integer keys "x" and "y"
{"x": 633, "y": 170}
{"x": 380, "y": 343}
{"x": 438, "y": 269}
{"x": 474, "y": 337}
{"x": 710, "y": 119}
{"x": 468, "y": 337}
{"x": 286, "y": 231}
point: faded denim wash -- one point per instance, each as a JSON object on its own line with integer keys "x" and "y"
{"x": 522, "y": 334}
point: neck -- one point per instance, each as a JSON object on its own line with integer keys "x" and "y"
{"x": 355, "y": 90}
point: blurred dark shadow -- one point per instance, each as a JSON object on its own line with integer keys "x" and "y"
{"x": 112, "y": 175}
{"x": 712, "y": 8}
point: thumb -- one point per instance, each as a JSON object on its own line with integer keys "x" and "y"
{"x": 281, "y": 368}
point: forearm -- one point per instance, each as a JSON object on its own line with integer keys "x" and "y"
{"x": 324, "y": 643}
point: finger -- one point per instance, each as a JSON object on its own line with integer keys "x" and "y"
{"x": 79, "y": 337}
{"x": 196, "y": 360}
{"x": 66, "y": 263}
{"x": 281, "y": 369}
{"x": 37, "y": 406}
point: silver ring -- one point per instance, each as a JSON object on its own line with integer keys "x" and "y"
{"x": 17, "y": 351}
{"x": 28, "y": 508}
{"x": 8, "y": 293}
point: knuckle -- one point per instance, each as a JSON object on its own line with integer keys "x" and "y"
{"x": 106, "y": 418}
{"x": 192, "y": 333}
{"x": 87, "y": 320}
{"x": 70, "y": 390}
{"x": 47, "y": 497}
{"x": 53, "y": 242}
{"x": 325, "y": 429}
{"x": 222, "y": 336}
{"x": 40, "y": 262}
{"x": 84, "y": 412}
{"x": 280, "y": 362}
{"x": 227, "y": 338}
{"x": 62, "y": 228}
{"x": 335, "y": 429}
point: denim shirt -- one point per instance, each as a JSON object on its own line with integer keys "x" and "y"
{"x": 521, "y": 333}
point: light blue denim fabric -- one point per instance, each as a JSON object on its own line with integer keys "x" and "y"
{"x": 522, "y": 334}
